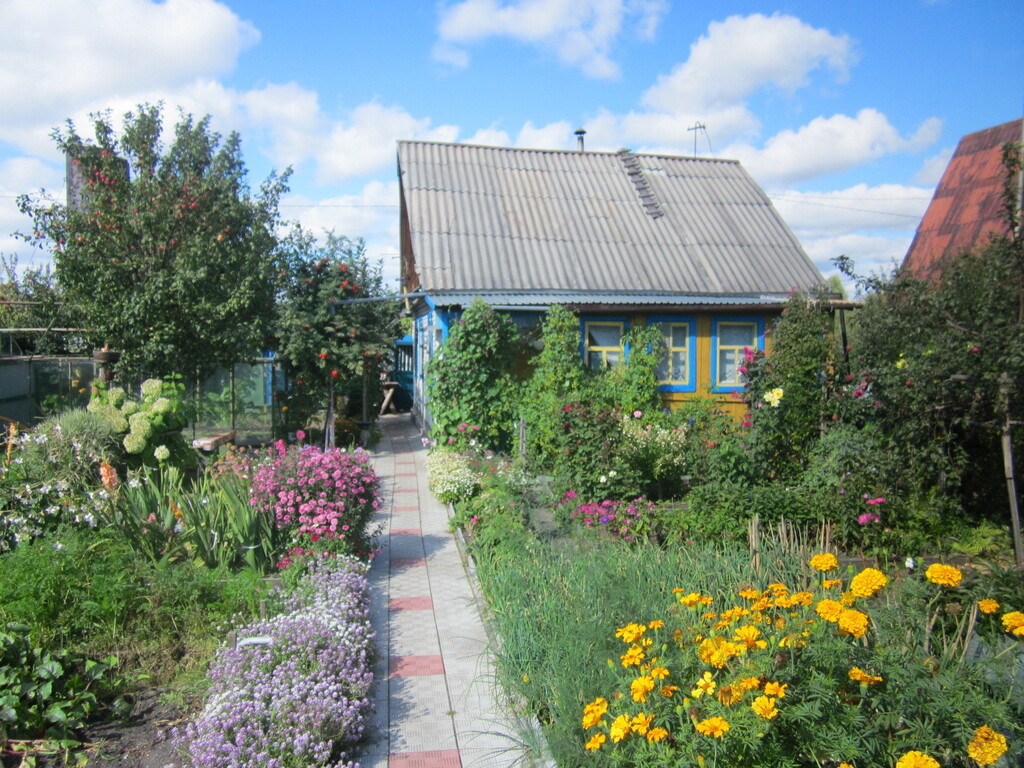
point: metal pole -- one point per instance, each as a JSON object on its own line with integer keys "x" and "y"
{"x": 1005, "y": 383}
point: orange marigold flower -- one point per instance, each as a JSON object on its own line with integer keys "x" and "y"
{"x": 1013, "y": 622}
{"x": 656, "y": 734}
{"x": 749, "y": 683}
{"x": 641, "y": 722}
{"x": 620, "y": 728}
{"x": 944, "y": 575}
{"x": 633, "y": 656}
{"x": 988, "y": 605}
{"x": 776, "y": 689}
{"x": 844, "y": 765}
{"x": 987, "y": 746}
{"x": 656, "y": 624}
{"x": 915, "y": 759}
{"x": 659, "y": 673}
{"x": 749, "y": 594}
{"x": 853, "y": 622}
{"x": 630, "y": 633}
{"x": 668, "y": 690}
{"x": 868, "y": 582}
{"x": 858, "y": 675}
{"x": 596, "y": 741}
{"x": 593, "y": 712}
{"x": 640, "y": 687}
{"x": 803, "y": 598}
{"x": 765, "y": 707}
{"x": 729, "y": 695}
{"x": 829, "y": 610}
{"x": 715, "y": 727}
{"x": 829, "y": 583}
{"x": 826, "y": 561}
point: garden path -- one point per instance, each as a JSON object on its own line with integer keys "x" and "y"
{"x": 438, "y": 705}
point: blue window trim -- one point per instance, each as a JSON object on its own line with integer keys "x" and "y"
{"x": 758, "y": 321}
{"x": 602, "y": 319}
{"x": 692, "y": 353}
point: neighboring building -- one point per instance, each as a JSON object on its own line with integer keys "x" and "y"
{"x": 690, "y": 244}
{"x": 968, "y": 205}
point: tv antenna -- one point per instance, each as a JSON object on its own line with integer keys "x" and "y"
{"x": 700, "y": 127}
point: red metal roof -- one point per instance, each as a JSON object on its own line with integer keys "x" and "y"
{"x": 968, "y": 203}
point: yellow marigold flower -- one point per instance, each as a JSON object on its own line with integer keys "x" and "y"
{"x": 656, "y": 734}
{"x": 633, "y": 656}
{"x": 761, "y": 604}
{"x": 829, "y": 610}
{"x": 858, "y": 675}
{"x": 847, "y": 599}
{"x": 749, "y": 594}
{"x": 796, "y": 640}
{"x": 630, "y": 633}
{"x": 707, "y": 600}
{"x": 690, "y": 600}
{"x": 944, "y": 575}
{"x": 765, "y": 707}
{"x": 749, "y": 683}
{"x": 868, "y": 582}
{"x": 915, "y": 759}
{"x": 824, "y": 562}
{"x": 705, "y": 685}
{"x": 988, "y": 605}
{"x": 668, "y": 690}
{"x": 596, "y": 741}
{"x": 659, "y": 673}
{"x": 717, "y": 651}
{"x": 620, "y": 728}
{"x": 987, "y": 746}
{"x": 1013, "y": 622}
{"x": 803, "y": 598}
{"x": 640, "y": 687}
{"x": 593, "y": 712}
{"x": 728, "y": 695}
{"x": 656, "y": 624}
{"x": 713, "y": 726}
{"x": 844, "y": 765}
{"x": 853, "y": 622}
{"x": 784, "y": 601}
{"x": 829, "y": 583}
{"x": 646, "y": 642}
{"x": 641, "y": 722}
{"x": 776, "y": 689}
{"x": 749, "y": 636}
{"x": 778, "y": 588}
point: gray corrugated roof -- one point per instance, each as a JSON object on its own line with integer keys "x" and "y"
{"x": 544, "y": 299}
{"x": 487, "y": 218}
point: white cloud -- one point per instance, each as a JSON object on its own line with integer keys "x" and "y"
{"x": 58, "y": 57}
{"x": 741, "y": 55}
{"x": 884, "y": 208}
{"x": 580, "y": 32}
{"x": 558, "y": 135}
{"x": 18, "y": 176}
{"x": 871, "y": 254}
{"x": 489, "y": 137}
{"x": 829, "y": 145}
{"x": 933, "y": 167}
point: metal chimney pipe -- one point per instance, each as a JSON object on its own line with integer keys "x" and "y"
{"x": 580, "y": 133}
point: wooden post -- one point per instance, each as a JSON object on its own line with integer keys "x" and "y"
{"x": 1005, "y": 384}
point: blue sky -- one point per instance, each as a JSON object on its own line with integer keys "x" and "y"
{"x": 846, "y": 113}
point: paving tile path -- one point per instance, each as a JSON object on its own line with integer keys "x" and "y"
{"x": 437, "y": 703}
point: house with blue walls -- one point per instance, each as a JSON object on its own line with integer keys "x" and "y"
{"x": 691, "y": 245}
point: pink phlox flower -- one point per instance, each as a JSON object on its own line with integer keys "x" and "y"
{"x": 875, "y": 501}
{"x": 868, "y": 517}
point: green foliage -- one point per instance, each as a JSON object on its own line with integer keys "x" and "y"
{"x": 633, "y": 386}
{"x": 49, "y": 693}
{"x": 324, "y": 340}
{"x": 451, "y": 475}
{"x": 935, "y": 355}
{"x": 497, "y": 515}
{"x": 166, "y": 255}
{"x": 470, "y": 381}
{"x": 42, "y": 308}
{"x": 558, "y": 378}
{"x": 788, "y": 390}
{"x": 150, "y": 427}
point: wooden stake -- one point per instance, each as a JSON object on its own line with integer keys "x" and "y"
{"x": 1005, "y": 384}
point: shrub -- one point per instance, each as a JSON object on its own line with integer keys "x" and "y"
{"x": 470, "y": 381}
{"x": 451, "y": 475}
{"x": 623, "y": 521}
{"x": 809, "y": 676}
{"x": 316, "y": 497}
{"x": 260, "y": 710}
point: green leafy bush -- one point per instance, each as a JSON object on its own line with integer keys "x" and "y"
{"x": 470, "y": 379}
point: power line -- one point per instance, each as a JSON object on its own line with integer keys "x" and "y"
{"x": 850, "y": 208}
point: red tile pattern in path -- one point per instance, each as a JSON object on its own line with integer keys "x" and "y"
{"x": 407, "y": 562}
{"x": 405, "y": 532}
{"x": 411, "y": 603}
{"x": 441, "y": 758}
{"x": 415, "y": 666}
